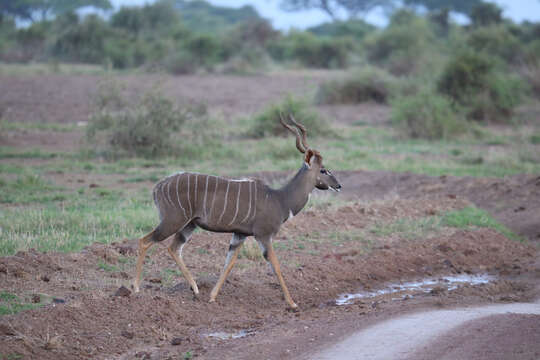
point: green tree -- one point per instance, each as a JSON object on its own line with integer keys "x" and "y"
{"x": 354, "y": 8}
{"x": 459, "y": 6}
{"x": 33, "y": 9}
{"x": 486, "y": 14}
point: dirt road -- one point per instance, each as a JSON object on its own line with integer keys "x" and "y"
{"x": 423, "y": 335}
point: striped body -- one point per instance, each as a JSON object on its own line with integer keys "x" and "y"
{"x": 211, "y": 202}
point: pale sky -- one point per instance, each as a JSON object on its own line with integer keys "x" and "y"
{"x": 518, "y": 10}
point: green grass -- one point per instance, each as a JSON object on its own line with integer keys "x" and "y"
{"x": 466, "y": 218}
{"x": 18, "y": 126}
{"x": 474, "y": 217}
{"x": 12, "y": 304}
{"x": 408, "y": 229}
{"x": 77, "y": 222}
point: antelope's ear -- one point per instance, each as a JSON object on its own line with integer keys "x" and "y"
{"x": 312, "y": 157}
{"x": 309, "y": 155}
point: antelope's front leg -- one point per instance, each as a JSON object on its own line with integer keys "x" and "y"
{"x": 234, "y": 247}
{"x": 270, "y": 256}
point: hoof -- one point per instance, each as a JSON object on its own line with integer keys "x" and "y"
{"x": 212, "y": 300}
{"x": 293, "y": 308}
{"x": 134, "y": 288}
{"x": 196, "y": 296}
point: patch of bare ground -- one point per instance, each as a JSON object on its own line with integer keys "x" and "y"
{"x": 68, "y": 98}
{"x": 95, "y": 323}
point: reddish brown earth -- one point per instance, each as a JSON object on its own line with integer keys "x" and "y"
{"x": 324, "y": 252}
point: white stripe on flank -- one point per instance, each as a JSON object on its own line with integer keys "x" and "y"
{"x": 213, "y": 198}
{"x": 249, "y": 205}
{"x": 188, "y": 200}
{"x": 237, "y": 202}
{"x": 254, "y": 203}
{"x": 178, "y": 196}
{"x": 163, "y": 193}
{"x": 169, "y": 193}
{"x": 195, "y": 196}
{"x": 205, "y": 193}
{"x": 225, "y": 203}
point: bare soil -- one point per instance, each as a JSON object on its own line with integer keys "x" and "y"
{"x": 89, "y": 319}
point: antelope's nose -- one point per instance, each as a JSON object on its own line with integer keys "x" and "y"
{"x": 338, "y": 186}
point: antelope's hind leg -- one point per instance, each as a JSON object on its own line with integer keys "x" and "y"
{"x": 145, "y": 243}
{"x": 234, "y": 247}
{"x": 175, "y": 250}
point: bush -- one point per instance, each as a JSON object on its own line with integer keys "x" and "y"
{"x": 311, "y": 51}
{"x": 370, "y": 84}
{"x": 85, "y": 41}
{"x": 180, "y": 63}
{"x": 497, "y": 101}
{"x": 267, "y": 123}
{"x": 427, "y": 115}
{"x": 496, "y": 40}
{"x": 144, "y": 129}
{"x": 403, "y": 46}
{"x": 472, "y": 81}
{"x": 465, "y": 75}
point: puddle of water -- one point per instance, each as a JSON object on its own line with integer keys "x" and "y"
{"x": 425, "y": 286}
{"x": 222, "y": 335}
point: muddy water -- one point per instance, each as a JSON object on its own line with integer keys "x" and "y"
{"x": 408, "y": 289}
{"x": 222, "y": 335}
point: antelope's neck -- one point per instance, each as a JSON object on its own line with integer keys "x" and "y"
{"x": 295, "y": 194}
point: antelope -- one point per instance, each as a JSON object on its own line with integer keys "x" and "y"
{"x": 246, "y": 207}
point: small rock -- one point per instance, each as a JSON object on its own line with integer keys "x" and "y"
{"x": 155, "y": 280}
{"x": 58, "y": 301}
{"x": 6, "y": 329}
{"x": 177, "y": 341}
{"x": 45, "y": 278}
{"x": 127, "y": 334}
{"x": 36, "y": 298}
{"x": 437, "y": 290}
{"x": 93, "y": 185}
{"x": 122, "y": 291}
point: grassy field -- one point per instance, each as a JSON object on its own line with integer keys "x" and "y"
{"x": 43, "y": 210}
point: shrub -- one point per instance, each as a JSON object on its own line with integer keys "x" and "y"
{"x": 496, "y": 40}
{"x": 498, "y": 99}
{"x": 267, "y": 123}
{"x": 370, "y": 84}
{"x": 181, "y": 62}
{"x": 85, "y": 41}
{"x": 206, "y": 50}
{"x": 427, "y": 115}
{"x": 471, "y": 80}
{"x": 403, "y": 46}
{"x": 144, "y": 129}
{"x": 464, "y": 75}
{"x": 311, "y": 51}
